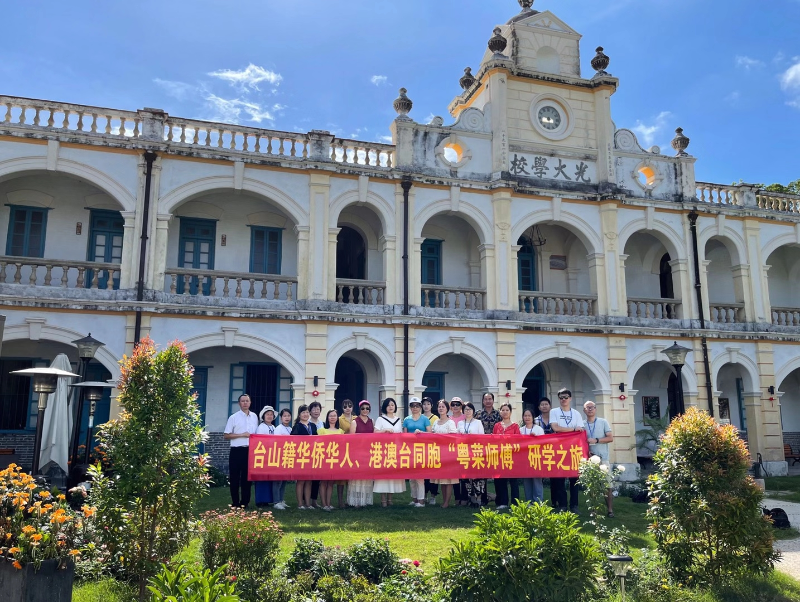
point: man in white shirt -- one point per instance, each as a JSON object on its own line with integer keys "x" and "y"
{"x": 240, "y": 426}
{"x": 598, "y": 431}
{"x": 566, "y": 420}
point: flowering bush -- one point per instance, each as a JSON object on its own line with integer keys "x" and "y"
{"x": 245, "y": 543}
{"x": 36, "y": 525}
{"x": 373, "y": 559}
{"x": 704, "y": 509}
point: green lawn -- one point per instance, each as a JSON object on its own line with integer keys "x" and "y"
{"x": 783, "y": 488}
{"x": 424, "y": 534}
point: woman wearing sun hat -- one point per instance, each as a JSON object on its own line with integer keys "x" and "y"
{"x": 416, "y": 423}
{"x": 359, "y": 493}
{"x": 266, "y": 418}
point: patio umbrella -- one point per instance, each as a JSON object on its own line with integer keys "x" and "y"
{"x": 57, "y": 420}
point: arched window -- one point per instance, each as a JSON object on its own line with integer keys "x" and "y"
{"x": 526, "y": 265}
{"x": 665, "y": 278}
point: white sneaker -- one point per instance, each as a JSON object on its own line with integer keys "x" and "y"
{"x": 301, "y": 507}
{"x": 310, "y": 508}
{"x": 432, "y": 501}
{"x": 502, "y": 507}
{"x": 280, "y": 506}
{"x": 412, "y": 503}
{"x": 418, "y": 505}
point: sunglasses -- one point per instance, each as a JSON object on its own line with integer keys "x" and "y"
{"x": 563, "y": 396}
{"x": 455, "y": 404}
{"x": 367, "y": 408}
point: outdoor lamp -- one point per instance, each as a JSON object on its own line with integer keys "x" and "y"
{"x": 87, "y": 349}
{"x": 621, "y": 563}
{"x": 93, "y": 391}
{"x": 676, "y": 354}
{"x": 87, "y": 346}
{"x": 45, "y": 381}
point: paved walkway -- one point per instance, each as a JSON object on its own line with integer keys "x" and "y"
{"x": 790, "y": 548}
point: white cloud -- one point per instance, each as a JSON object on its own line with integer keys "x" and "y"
{"x": 178, "y": 90}
{"x": 779, "y": 57}
{"x": 386, "y": 139}
{"x": 248, "y": 78}
{"x": 747, "y": 63}
{"x": 231, "y": 110}
{"x": 379, "y": 80}
{"x": 648, "y": 131}
{"x": 790, "y": 83}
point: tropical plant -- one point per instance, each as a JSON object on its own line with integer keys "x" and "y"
{"x": 649, "y": 436}
{"x": 244, "y": 544}
{"x": 530, "y": 554}
{"x": 705, "y": 510}
{"x": 36, "y": 525}
{"x": 146, "y": 508}
{"x": 187, "y": 584}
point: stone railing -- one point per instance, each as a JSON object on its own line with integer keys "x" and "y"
{"x": 786, "y": 316}
{"x": 778, "y": 201}
{"x": 61, "y": 116}
{"x": 660, "y": 309}
{"x": 726, "y": 313}
{"x": 237, "y": 285}
{"x": 360, "y": 292}
{"x": 46, "y": 115}
{"x": 557, "y": 304}
{"x": 451, "y": 297}
{"x": 718, "y": 194}
{"x": 32, "y": 271}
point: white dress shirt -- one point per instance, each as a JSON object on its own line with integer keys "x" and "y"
{"x": 241, "y": 423}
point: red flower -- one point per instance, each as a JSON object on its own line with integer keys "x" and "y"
{"x": 416, "y": 563}
{"x": 404, "y": 572}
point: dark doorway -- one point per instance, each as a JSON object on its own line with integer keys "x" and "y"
{"x": 672, "y": 396}
{"x": 261, "y": 384}
{"x": 350, "y": 377}
{"x": 534, "y": 390}
{"x": 351, "y": 255}
{"x": 665, "y": 278}
{"x": 434, "y": 386}
{"x": 95, "y": 371}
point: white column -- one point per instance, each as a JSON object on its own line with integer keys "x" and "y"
{"x": 158, "y": 252}
{"x": 130, "y": 263}
{"x": 303, "y": 272}
{"x": 388, "y": 247}
{"x": 333, "y": 233}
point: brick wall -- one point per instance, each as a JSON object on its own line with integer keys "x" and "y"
{"x": 792, "y": 439}
{"x": 22, "y": 444}
{"x": 218, "y": 449}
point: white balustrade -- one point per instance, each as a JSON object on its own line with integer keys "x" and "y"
{"x": 237, "y": 285}
{"x": 726, "y": 313}
{"x": 451, "y": 297}
{"x": 778, "y": 201}
{"x": 59, "y": 116}
{"x": 786, "y": 316}
{"x": 718, "y": 194}
{"x": 354, "y": 152}
{"x": 360, "y": 292}
{"x": 557, "y": 304}
{"x": 661, "y": 309}
{"x": 32, "y": 271}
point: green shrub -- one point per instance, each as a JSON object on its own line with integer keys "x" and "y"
{"x": 243, "y": 543}
{"x": 145, "y": 511}
{"x": 705, "y": 510}
{"x": 373, "y": 559}
{"x": 303, "y": 559}
{"x": 186, "y": 584}
{"x": 282, "y": 589}
{"x": 411, "y": 585}
{"x": 337, "y": 589}
{"x": 217, "y": 478}
{"x": 530, "y": 554}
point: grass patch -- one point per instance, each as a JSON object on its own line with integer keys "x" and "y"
{"x": 783, "y": 488}
{"x": 107, "y": 590}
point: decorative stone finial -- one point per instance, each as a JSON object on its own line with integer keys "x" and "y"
{"x": 403, "y": 104}
{"x": 680, "y": 143}
{"x": 467, "y": 80}
{"x": 497, "y": 43}
{"x": 600, "y": 62}
{"x": 526, "y": 4}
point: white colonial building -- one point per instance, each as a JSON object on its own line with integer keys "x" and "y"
{"x": 521, "y": 245}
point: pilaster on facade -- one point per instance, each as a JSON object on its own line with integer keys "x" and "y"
{"x": 608, "y": 282}
{"x": 318, "y": 258}
{"x": 504, "y": 264}
{"x": 130, "y": 261}
{"x": 316, "y": 362}
{"x": 387, "y": 244}
{"x": 507, "y": 371}
{"x": 680, "y": 270}
{"x": 157, "y": 265}
{"x": 759, "y": 288}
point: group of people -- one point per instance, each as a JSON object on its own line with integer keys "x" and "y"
{"x": 455, "y": 416}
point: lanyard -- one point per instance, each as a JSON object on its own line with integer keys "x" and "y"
{"x": 466, "y": 426}
{"x": 564, "y": 418}
{"x": 590, "y": 427}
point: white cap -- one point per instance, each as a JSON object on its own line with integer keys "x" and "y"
{"x": 414, "y": 400}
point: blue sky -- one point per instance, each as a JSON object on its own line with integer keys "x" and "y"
{"x": 727, "y": 72}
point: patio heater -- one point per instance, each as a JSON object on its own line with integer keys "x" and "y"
{"x": 92, "y": 391}
{"x": 45, "y": 381}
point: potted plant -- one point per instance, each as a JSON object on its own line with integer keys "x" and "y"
{"x": 39, "y": 534}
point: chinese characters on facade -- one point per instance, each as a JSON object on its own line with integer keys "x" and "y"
{"x": 553, "y": 168}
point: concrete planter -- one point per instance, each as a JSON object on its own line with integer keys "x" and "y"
{"x": 48, "y": 584}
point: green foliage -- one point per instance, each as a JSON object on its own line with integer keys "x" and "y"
{"x": 186, "y": 584}
{"x": 649, "y": 436}
{"x": 704, "y": 509}
{"x": 303, "y": 558}
{"x": 790, "y": 188}
{"x": 530, "y": 554}
{"x": 373, "y": 559}
{"x": 282, "y": 589}
{"x": 216, "y": 478}
{"x": 244, "y": 544}
{"x": 410, "y": 586}
{"x": 145, "y": 507}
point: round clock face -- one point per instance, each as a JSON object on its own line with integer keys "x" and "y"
{"x": 549, "y": 117}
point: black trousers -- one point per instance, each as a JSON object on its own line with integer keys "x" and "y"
{"x": 460, "y": 491}
{"x": 558, "y": 493}
{"x": 502, "y": 487}
{"x": 314, "y": 490}
{"x": 237, "y": 462}
{"x": 431, "y": 488}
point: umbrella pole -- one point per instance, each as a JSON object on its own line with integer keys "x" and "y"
{"x": 76, "y": 430}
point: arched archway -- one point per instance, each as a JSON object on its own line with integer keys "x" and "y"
{"x": 359, "y": 375}
{"x": 784, "y": 294}
{"x": 724, "y": 282}
{"x": 650, "y": 257}
{"x": 789, "y": 386}
{"x": 363, "y": 256}
{"x": 351, "y": 254}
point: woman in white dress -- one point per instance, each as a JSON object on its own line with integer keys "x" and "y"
{"x": 389, "y": 422}
{"x": 476, "y": 488}
{"x": 445, "y": 426}
{"x": 359, "y": 492}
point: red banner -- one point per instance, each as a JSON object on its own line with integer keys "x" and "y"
{"x": 414, "y": 456}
